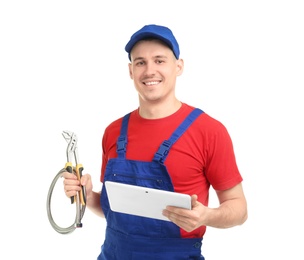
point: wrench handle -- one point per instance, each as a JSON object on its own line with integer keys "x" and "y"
{"x": 79, "y": 170}
{"x": 69, "y": 168}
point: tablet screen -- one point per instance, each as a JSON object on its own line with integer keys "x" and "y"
{"x": 142, "y": 201}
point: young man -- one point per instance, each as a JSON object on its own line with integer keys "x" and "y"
{"x": 169, "y": 145}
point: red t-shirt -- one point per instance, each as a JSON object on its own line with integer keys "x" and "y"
{"x": 201, "y": 157}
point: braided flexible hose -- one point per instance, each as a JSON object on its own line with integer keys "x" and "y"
{"x": 80, "y": 209}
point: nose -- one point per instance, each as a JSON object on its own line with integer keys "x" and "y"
{"x": 150, "y": 68}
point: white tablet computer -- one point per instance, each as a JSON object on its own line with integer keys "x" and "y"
{"x": 144, "y": 202}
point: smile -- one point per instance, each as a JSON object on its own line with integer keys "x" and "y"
{"x": 151, "y": 83}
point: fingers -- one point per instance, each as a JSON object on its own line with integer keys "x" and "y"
{"x": 180, "y": 219}
{"x": 72, "y": 185}
{"x": 175, "y": 214}
{"x": 184, "y": 218}
{"x": 67, "y": 175}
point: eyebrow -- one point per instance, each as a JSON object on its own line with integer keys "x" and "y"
{"x": 155, "y": 57}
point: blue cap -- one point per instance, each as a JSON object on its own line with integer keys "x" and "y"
{"x": 154, "y": 31}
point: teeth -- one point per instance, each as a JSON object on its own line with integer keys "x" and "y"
{"x": 151, "y": 83}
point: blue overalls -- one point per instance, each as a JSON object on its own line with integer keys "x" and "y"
{"x": 132, "y": 237}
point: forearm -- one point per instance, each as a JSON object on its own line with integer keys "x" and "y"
{"x": 230, "y": 213}
{"x": 93, "y": 203}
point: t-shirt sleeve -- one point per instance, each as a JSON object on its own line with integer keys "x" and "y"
{"x": 222, "y": 171}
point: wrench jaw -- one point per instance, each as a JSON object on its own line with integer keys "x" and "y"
{"x": 67, "y": 135}
{"x": 71, "y": 139}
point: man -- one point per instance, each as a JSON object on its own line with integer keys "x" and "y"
{"x": 169, "y": 145}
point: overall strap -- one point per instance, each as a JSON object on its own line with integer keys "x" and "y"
{"x": 122, "y": 141}
{"x": 162, "y": 153}
{"x": 164, "y": 148}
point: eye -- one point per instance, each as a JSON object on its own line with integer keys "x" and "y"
{"x": 140, "y": 63}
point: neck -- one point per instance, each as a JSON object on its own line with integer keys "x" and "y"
{"x": 155, "y": 111}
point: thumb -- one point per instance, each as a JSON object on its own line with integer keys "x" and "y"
{"x": 84, "y": 180}
{"x": 193, "y": 200}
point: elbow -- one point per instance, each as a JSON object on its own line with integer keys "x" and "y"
{"x": 244, "y": 216}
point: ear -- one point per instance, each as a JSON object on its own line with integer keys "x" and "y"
{"x": 130, "y": 70}
{"x": 179, "y": 67}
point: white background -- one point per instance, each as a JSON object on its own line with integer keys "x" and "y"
{"x": 63, "y": 67}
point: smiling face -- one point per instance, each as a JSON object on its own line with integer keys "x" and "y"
{"x": 154, "y": 70}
